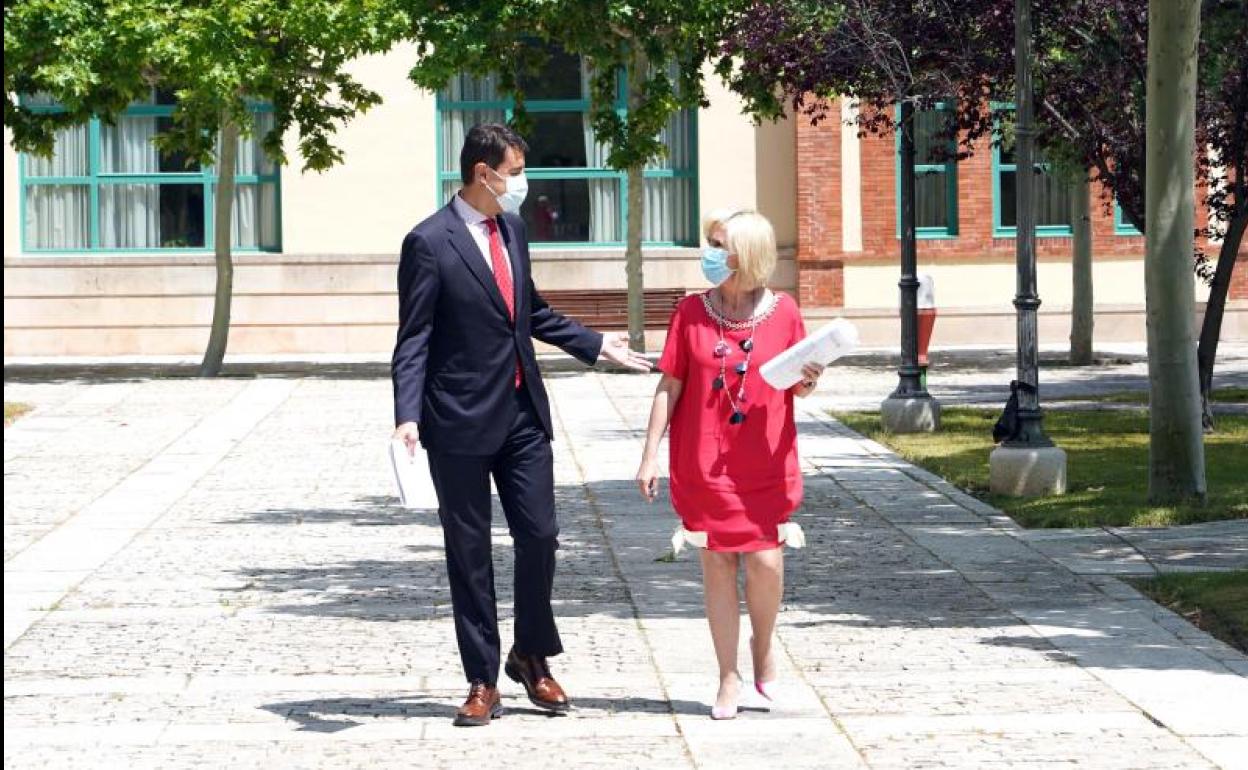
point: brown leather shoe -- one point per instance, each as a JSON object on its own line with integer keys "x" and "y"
{"x": 483, "y": 704}
{"x": 532, "y": 672}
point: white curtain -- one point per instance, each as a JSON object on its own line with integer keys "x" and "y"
{"x": 675, "y": 136}
{"x": 604, "y": 194}
{"x": 467, "y": 88}
{"x": 455, "y": 122}
{"x": 254, "y": 224}
{"x": 252, "y": 159}
{"x": 130, "y": 216}
{"x": 667, "y": 205}
{"x": 448, "y": 189}
{"x": 455, "y": 126}
{"x": 69, "y": 155}
{"x": 668, "y": 199}
{"x": 129, "y": 213}
{"x": 126, "y": 148}
{"x": 58, "y": 216}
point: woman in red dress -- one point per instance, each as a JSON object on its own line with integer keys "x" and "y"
{"x": 735, "y": 476}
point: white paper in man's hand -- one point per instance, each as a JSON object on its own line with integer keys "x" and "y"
{"x": 411, "y": 476}
{"x": 828, "y": 343}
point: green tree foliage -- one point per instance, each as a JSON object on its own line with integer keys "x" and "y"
{"x": 94, "y": 58}
{"x": 659, "y": 47}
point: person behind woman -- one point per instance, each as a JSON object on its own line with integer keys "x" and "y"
{"x": 735, "y": 477}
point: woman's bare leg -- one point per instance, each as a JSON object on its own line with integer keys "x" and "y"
{"x": 764, "y": 587}
{"x": 719, "y": 580}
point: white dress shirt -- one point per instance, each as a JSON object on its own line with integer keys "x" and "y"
{"x": 477, "y": 228}
{"x": 475, "y": 221}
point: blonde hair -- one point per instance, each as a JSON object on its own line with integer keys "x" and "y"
{"x": 749, "y": 236}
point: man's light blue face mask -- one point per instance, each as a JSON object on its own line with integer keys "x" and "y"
{"x": 516, "y": 188}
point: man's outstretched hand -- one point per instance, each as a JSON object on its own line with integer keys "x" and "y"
{"x": 615, "y": 349}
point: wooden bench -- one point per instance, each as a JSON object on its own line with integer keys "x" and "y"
{"x": 607, "y": 309}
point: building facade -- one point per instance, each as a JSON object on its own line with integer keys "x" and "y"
{"x": 848, "y": 236}
{"x": 108, "y": 245}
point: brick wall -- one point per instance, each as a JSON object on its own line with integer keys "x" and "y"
{"x": 821, "y": 258}
{"x": 820, "y": 279}
{"x": 1239, "y": 278}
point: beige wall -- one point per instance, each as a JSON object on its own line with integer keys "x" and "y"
{"x": 975, "y": 303}
{"x": 741, "y": 165}
{"x": 979, "y": 284}
{"x": 332, "y": 288}
{"x": 776, "y": 172}
{"x": 386, "y": 183}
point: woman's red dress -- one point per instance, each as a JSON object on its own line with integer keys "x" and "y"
{"x": 736, "y": 483}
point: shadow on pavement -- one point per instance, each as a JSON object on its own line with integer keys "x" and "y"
{"x": 331, "y": 715}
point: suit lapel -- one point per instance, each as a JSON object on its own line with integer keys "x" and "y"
{"x": 467, "y": 249}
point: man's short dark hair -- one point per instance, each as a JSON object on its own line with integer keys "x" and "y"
{"x": 487, "y": 143}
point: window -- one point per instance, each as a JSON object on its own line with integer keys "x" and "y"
{"x": 107, "y": 188}
{"x": 936, "y": 178}
{"x": 1052, "y": 196}
{"x": 1122, "y": 225}
{"x": 573, "y": 196}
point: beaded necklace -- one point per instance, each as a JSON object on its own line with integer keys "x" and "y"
{"x": 722, "y": 349}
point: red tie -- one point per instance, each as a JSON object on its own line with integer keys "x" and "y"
{"x": 502, "y": 277}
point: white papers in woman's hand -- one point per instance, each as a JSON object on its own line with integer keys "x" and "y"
{"x": 828, "y": 343}
{"x": 411, "y": 476}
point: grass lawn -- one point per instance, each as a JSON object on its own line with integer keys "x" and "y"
{"x": 1107, "y": 466}
{"x": 1216, "y": 602}
{"x": 1220, "y": 396}
{"x": 13, "y": 410}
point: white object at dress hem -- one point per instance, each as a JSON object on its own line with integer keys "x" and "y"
{"x": 789, "y": 533}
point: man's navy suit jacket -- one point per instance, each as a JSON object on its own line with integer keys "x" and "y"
{"x": 454, "y": 362}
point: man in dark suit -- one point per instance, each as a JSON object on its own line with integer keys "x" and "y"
{"x": 467, "y": 387}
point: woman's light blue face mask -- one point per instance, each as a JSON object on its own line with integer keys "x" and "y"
{"x": 715, "y": 265}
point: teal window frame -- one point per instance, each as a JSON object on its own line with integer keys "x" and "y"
{"x": 1122, "y": 226}
{"x": 949, "y": 169}
{"x": 999, "y": 230}
{"x": 536, "y": 173}
{"x": 95, "y": 179}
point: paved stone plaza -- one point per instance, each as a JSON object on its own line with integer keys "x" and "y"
{"x": 216, "y": 574}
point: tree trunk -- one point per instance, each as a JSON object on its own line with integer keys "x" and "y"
{"x": 1081, "y": 320}
{"x": 1211, "y": 326}
{"x": 636, "y": 215}
{"x": 1176, "y": 442}
{"x": 632, "y": 261}
{"x": 223, "y": 212}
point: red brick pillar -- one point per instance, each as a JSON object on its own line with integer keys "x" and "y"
{"x": 820, "y": 271}
{"x": 821, "y": 284}
{"x": 1239, "y": 278}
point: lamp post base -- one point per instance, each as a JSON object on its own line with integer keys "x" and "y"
{"x": 1022, "y": 471}
{"x": 907, "y": 414}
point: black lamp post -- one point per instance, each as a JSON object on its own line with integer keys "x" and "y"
{"x": 909, "y": 408}
{"x": 909, "y": 381}
{"x": 1026, "y": 301}
{"x": 1027, "y": 463}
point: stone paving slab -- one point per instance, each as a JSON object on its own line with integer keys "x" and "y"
{"x": 240, "y": 589}
{"x": 1206, "y": 547}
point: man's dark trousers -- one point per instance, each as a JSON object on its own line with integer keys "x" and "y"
{"x": 523, "y": 471}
